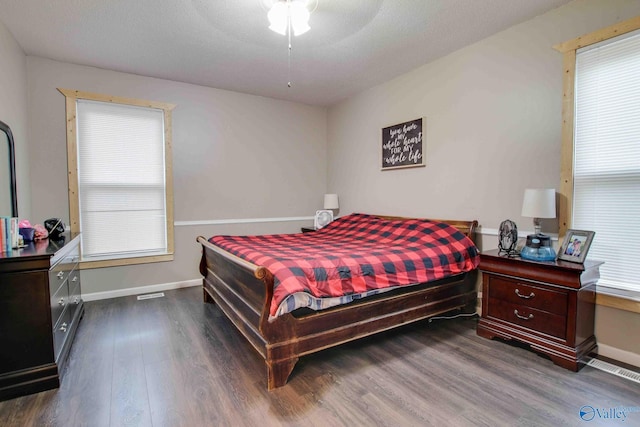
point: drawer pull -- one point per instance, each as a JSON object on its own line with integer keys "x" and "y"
{"x": 60, "y": 275}
{"x": 63, "y": 327}
{"x": 61, "y": 302}
{"x": 522, "y": 317}
{"x": 531, "y": 295}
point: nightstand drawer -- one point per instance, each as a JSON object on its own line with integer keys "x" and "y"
{"x": 531, "y": 318}
{"x": 517, "y": 292}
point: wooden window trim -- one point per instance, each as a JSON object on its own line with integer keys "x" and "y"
{"x": 619, "y": 302}
{"x": 71, "y": 97}
{"x": 565, "y": 205}
{"x": 568, "y": 49}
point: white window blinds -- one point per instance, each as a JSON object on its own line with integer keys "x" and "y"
{"x": 121, "y": 180}
{"x": 606, "y": 197}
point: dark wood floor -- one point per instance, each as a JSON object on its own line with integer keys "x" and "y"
{"x": 176, "y": 361}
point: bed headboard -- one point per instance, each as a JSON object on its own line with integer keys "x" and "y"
{"x": 468, "y": 228}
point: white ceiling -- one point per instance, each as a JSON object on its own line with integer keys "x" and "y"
{"x": 352, "y": 44}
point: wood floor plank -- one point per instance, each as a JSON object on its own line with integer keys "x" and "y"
{"x": 129, "y": 394}
{"x": 86, "y": 385}
{"x": 175, "y": 361}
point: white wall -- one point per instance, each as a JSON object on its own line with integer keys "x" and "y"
{"x": 493, "y": 128}
{"x": 13, "y": 111}
{"x": 493, "y": 118}
{"x": 234, "y": 156}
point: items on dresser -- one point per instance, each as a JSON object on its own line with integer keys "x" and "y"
{"x": 55, "y": 227}
{"x": 548, "y": 305}
{"x": 40, "y": 309}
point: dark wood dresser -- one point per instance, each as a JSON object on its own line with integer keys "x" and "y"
{"x": 548, "y": 305}
{"x": 40, "y": 308}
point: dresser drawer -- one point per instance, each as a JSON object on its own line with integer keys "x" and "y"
{"x": 74, "y": 282}
{"x": 531, "y": 318}
{"x": 74, "y": 288}
{"x": 61, "y": 330}
{"x": 521, "y": 293}
{"x": 59, "y": 272}
{"x": 59, "y": 301}
{"x": 58, "y": 275}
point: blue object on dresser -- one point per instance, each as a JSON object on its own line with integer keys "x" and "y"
{"x": 538, "y": 248}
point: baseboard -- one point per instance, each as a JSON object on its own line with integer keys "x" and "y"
{"x": 618, "y": 354}
{"x": 242, "y": 220}
{"x": 94, "y": 296}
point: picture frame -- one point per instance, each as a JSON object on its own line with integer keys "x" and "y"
{"x": 575, "y": 246}
{"x": 404, "y": 145}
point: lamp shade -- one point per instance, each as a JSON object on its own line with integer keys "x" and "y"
{"x": 539, "y": 203}
{"x": 331, "y": 201}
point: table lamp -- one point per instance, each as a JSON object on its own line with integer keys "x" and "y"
{"x": 539, "y": 203}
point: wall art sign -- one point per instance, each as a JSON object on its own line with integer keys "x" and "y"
{"x": 403, "y": 145}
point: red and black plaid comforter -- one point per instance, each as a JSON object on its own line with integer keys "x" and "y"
{"x": 354, "y": 256}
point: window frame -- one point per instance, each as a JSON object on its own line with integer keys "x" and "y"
{"x": 626, "y": 300}
{"x": 71, "y": 98}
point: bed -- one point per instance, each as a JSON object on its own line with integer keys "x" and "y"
{"x": 243, "y": 275}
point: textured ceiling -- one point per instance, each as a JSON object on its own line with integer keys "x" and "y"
{"x": 352, "y": 44}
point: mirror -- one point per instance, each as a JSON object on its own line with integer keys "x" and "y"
{"x": 8, "y": 195}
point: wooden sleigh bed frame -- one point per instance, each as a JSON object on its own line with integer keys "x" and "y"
{"x": 243, "y": 291}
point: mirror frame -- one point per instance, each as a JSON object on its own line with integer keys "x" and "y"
{"x": 12, "y": 165}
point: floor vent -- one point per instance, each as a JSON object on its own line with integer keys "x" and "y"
{"x": 149, "y": 296}
{"x": 615, "y": 370}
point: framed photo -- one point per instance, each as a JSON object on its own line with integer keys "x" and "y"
{"x": 403, "y": 145}
{"x": 575, "y": 246}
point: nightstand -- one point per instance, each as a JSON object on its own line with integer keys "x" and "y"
{"x": 307, "y": 229}
{"x": 548, "y": 305}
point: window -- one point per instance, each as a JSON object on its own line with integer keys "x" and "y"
{"x": 601, "y": 148}
{"x": 120, "y": 191}
{"x": 606, "y": 172}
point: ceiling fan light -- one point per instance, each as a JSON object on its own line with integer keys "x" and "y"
{"x": 278, "y": 15}
{"x": 300, "y": 29}
{"x": 299, "y": 17}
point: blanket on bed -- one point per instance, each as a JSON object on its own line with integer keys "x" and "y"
{"x": 354, "y": 256}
